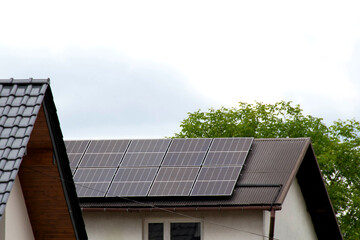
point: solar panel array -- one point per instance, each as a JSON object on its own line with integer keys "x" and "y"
{"x": 157, "y": 167}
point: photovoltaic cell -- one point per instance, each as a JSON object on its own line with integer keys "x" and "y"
{"x": 149, "y": 145}
{"x": 91, "y": 189}
{"x": 171, "y": 174}
{"x": 108, "y": 146}
{"x": 135, "y": 174}
{"x": 218, "y": 173}
{"x": 180, "y": 188}
{"x": 184, "y": 159}
{"x": 213, "y": 188}
{"x": 94, "y": 175}
{"x": 76, "y": 146}
{"x": 129, "y": 189}
{"x": 231, "y": 144}
{"x": 142, "y": 159}
{"x": 225, "y": 158}
{"x": 190, "y": 145}
{"x": 101, "y": 160}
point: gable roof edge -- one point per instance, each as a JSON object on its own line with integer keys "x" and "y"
{"x": 62, "y": 161}
{"x": 317, "y": 198}
{"x": 299, "y": 161}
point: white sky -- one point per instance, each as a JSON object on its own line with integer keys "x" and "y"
{"x": 133, "y": 69}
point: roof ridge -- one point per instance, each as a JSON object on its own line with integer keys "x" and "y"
{"x": 24, "y": 81}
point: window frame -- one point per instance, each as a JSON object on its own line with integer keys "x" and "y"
{"x": 167, "y": 225}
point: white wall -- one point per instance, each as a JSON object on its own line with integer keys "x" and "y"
{"x": 294, "y": 221}
{"x": 16, "y": 219}
{"x": 113, "y": 225}
{"x": 130, "y": 226}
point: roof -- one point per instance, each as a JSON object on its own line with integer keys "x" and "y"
{"x": 269, "y": 170}
{"x": 264, "y": 180}
{"x": 29, "y": 137}
{"x": 19, "y": 106}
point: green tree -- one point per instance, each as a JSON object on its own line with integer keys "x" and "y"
{"x": 337, "y": 146}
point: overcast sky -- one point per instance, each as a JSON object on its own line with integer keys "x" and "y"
{"x": 134, "y": 69}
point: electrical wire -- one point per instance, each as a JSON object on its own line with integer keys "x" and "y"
{"x": 151, "y": 205}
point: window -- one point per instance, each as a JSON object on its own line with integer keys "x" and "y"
{"x": 172, "y": 230}
{"x": 156, "y": 231}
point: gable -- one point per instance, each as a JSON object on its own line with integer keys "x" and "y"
{"x": 30, "y": 143}
{"x": 294, "y": 213}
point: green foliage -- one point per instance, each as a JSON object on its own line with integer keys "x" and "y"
{"x": 337, "y": 147}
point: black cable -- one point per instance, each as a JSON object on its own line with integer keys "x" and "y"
{"x": 150, "y": 205}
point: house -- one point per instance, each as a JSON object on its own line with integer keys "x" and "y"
{"x": 37, "y": 194}
{"x": 201, "y": 189}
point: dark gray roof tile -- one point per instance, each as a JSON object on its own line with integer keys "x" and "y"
{"x": 8, "y": 165}
{"x": 20, "y": 101}
{"x": 5, "y": 176}
{"x": 3, "y": 142}
{"x": 5, "y": 132}
{"x": 3, "y": 186}
{"x": 28, "y": 111}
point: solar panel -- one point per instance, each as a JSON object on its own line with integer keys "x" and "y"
{"x": 219, "y": 173}
{"x": 149, "y": 145}
{"x": 160, "y": 167}
{"x": 231, "y": 144}
{"x": 74, "y": 159}
{"x": 216, "y": 181}
{"x": 184, "y": 159}
{"x": 221, "y": 167}
{"x": 142, "y": 153}
{"x": 177, "y": 174}
{"x": 180, "y": 188}
{"x": 225, "y": 158}
{"x": 76, "y": 146}
{"x": 93, "y": 182}
{"x": 187, "y": 152}
{"x": 135, "y": 174}
{"x": 108, "y": 146}
{"x": 177, "y": 181}
{"x": 75, "y": 149}
{"x": 129, "y": 189}
{"x": 213, "y": 188}
{"x": 132, "y": 182}
{"x": 104, "y": 153}
{"x": 101, "y": 160}
{"x": 142, "y": 159}
{"x": 190, "y": 145}
{"x": 93, "y": 189}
